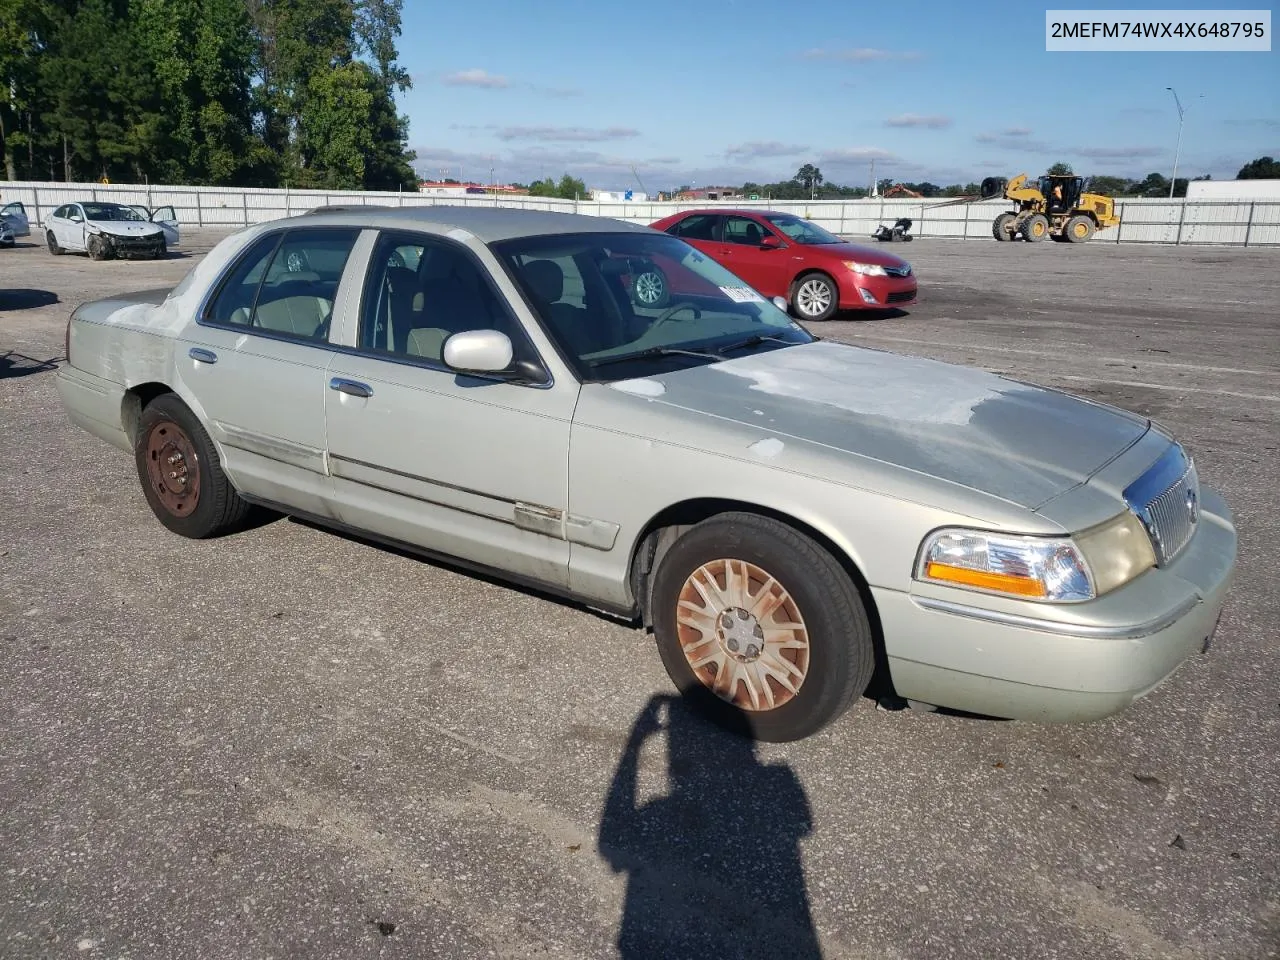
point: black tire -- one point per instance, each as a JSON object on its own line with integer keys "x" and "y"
{"x": 167, "y": 424}
{"x": 8, "y": 242}
{"x": 52, "y": 241}
{"x": 1002, "y": 226}
{"x": 97, "y": 249}
{"x": 806, "y": 298}
{"x": 1035, "y": 228}
{"x": 162, "y": 251}
{"x": 1078, "y": 229}
{"x": 841, "y": 653}
{"x": 651, "y": 289}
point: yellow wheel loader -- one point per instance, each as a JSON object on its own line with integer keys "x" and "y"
{"x": 1055, "y": 207}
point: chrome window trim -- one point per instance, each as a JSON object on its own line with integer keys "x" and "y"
{"x": 1132, "y": 631}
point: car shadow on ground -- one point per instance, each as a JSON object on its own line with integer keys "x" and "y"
{"x": 20, "y": 365}
{"x": 712, "y": 860}
{"x": 26, "y": 299}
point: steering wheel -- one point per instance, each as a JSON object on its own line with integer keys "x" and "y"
{"x": 667, "y": 314}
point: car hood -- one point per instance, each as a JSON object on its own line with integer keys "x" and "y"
{"x": 1022, "y": 443}
{"x": 856, "y": 251}
{"x": 126, "y": 228}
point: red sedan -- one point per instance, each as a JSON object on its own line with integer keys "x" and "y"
{"x": 782, "y": 255}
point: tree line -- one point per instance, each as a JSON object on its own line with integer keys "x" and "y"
{"x": 222, "y": 92}
{"x": 809, "y": 183}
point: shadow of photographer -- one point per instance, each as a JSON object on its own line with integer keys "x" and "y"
{"x": 713, "y": 865}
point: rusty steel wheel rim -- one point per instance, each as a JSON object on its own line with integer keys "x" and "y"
{"x": 742, "y": 634}
{"x": 173, "y": 468}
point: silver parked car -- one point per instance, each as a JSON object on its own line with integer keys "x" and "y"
{"x": 107, "y": 230}
{"x": 785, "y": 513}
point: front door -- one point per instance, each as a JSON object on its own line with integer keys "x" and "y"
{"x": 464, "y": 466}
{"x": 167, "y": 220}
{"x": 69, "y": 230}
{"x": 15, "y": 215}
{"x": 255, "y": 362}
{"x": 764, "y": 268}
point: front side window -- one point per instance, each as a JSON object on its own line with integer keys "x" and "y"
{"x": 422, "y": 290}
{"x": 73, "y": 213}
{"x": 744, "y": 231}
{"x": 285, "y": 284}
{"x": 611, "y": 331}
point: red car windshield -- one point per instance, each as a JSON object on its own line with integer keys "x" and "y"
{"x": 631, "y": 304}
{"x": 802, "y": 231}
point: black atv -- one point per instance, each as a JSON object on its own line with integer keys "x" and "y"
{"x": 892, "y": 234}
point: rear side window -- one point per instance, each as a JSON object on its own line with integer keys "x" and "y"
{"x": 697, "y": 227}
{"x": 285, "y": 284}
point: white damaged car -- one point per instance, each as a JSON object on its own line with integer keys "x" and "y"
{"x": 107, "y": 230}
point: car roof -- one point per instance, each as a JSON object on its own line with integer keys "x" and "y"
{"x": 736, "y": 212}
{"x": 487, "y": 224}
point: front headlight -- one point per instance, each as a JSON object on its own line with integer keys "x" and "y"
{"x": 866, "y": 269}
{"x": 1046, "y": 569}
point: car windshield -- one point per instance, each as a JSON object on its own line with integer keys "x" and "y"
{"x": 631, "y": 304}
{"x": 802, "y": 231}
{"x": 109, "y": 211}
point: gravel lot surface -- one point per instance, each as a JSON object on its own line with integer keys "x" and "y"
{"x": 288, "y": 743}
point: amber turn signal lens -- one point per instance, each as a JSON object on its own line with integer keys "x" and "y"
{"x": 983, "y": 580}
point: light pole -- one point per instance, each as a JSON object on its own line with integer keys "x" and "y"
{"x": 1173, "y": 182}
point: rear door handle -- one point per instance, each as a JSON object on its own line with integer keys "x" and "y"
{"x": 202, "y": 356}
{"x": 351, "y": 387}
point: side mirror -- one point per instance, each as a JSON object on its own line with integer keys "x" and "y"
{"x": 479, "y": 351}
{"x": 770, "y": 242}
{"x": 781, "y": 303}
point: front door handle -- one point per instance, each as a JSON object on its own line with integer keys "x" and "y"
{"x": 202, "y": 356}
{"x": 351, "y": 387}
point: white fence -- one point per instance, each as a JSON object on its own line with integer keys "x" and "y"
{"x": 1226, "y": 223}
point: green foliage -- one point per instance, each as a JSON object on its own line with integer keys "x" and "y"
{"x": 1264, "y": 168}
{"x": 237, "y": 92}
{"x": 1060, "y": 170}
{"x": 568, "y": 188}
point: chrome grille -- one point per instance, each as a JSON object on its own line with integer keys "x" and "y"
{"x": 1167, "y": 500}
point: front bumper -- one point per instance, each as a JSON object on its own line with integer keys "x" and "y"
{"x": 955, "y": 649}
{"x": 885, "y": 292}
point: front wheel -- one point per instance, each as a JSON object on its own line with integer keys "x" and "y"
{"x": 762, "y": 625}
{"x": 1036, "y": 227}
{"x": 97, "y": 248}
{"x": 1079, "y": 229}
{"x": 180, "y": 473}
{"x": 815, "y": 297}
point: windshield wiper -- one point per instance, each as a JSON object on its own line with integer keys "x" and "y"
{"x": 653, "y": 353}
{"x": 755, "y": 340}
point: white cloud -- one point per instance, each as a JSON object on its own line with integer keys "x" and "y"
{"x": 1120, "y": 153}
{"x": 763, "y": 150}
{"x": 477, "y": 78}
{"x": 567, "y": 134}
{"x": 860, "y": 54}
{"x": 932, "y": 122}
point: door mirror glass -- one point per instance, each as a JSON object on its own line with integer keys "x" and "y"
{"x": 781, "y": 303}
{"x": 479, "y": 351}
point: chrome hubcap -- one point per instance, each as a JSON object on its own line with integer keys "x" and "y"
{"x": 814, "y": 297}
{"x": 742, "y": 634}
{"x": 649, "y": 288}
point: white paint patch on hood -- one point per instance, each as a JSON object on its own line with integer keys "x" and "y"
{"x": 640, "y": 388}
{"x": 897, "y": 387}
{"x": 768, "y": 448}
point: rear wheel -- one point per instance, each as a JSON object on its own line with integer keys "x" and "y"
{"x": 815, "y": 297}
{"x": 650, "y": 289}
{"x": 762, "y": 626}
{"x": 1002, "y": 226}
{"x": 52, "y": 241}
{"x": 1079, "y": 229}
{"x": 1036, "y": 227}
{"x": 180, "y": 473}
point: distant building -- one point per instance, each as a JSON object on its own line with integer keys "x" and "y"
{"x": 619, "y": 196}
{"x": 711, "y": 193}
{"x": 1233, "y": 190}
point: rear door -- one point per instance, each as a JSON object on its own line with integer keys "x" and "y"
{"x": 701, "y": 230}
{"x": 255, "y": 362}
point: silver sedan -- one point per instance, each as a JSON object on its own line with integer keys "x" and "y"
{"x": 791, "y": 517}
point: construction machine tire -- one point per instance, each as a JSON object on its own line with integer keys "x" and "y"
{"x": 1036, "y": 227}
{"x": 1002, "y": 226}
{"x": 1078, "y": 229}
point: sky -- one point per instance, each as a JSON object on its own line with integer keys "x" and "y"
{"x": 721, "y": 92}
